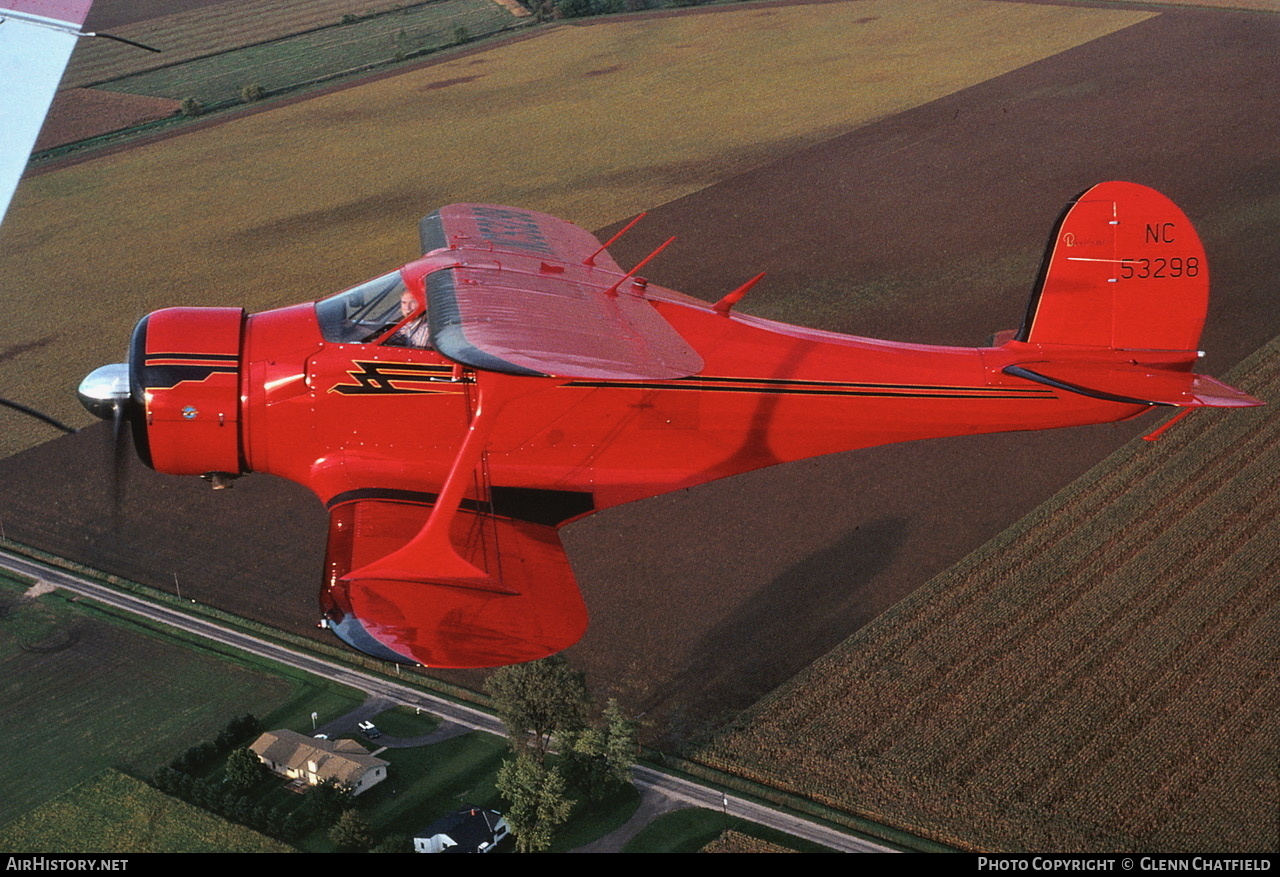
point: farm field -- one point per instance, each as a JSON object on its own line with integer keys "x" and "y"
{"x": 1260, "y": 5}
{"x": 293, "y": 60}
{"x": 80, "y": 113}
{"x": 114, "y": 812}
{"x": 58, "y": 659}
{"x": 1100, "y": 677}
{"x": 187, "y": 30}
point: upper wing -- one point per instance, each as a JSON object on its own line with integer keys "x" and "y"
{"x": 36, "y": 40}
{"x": 527, "y": 609}
{"x": 535, "y": 295}
{"x": 511, "y": 230}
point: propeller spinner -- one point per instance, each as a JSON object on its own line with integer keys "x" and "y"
{"x": 105, "y": 391}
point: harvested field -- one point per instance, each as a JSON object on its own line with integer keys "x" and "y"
{"x": 79, "y": 113}
{"x": 1100, "y": 677}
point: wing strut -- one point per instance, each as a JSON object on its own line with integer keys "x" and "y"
{"x": 430, "y": 556}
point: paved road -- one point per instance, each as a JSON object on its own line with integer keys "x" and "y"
{"x": 660, "y": 792}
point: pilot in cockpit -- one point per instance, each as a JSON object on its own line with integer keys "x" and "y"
{"x": 416, "y": 332}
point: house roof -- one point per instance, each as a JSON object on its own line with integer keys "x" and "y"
{"x": 345, "y": 761}
{"x": 468, "y": 828}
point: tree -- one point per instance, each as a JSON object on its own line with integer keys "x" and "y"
{"x": 244, "y": 770}
{"x": 393, "y": 843}
{"x": 537, "y": 700}
{"x": 326, "y": 801}
{"x": 351, "y": 832}
{"x": 585, "y": 767}
{"x": 237, "y": 731}
{"x": 537, "y": 802}
{"x": 575, "y": 8}
{"x": 598, "y": 761}
{"x": 620, "y": 742}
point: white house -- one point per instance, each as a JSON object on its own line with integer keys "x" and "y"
{"x": 469, "y": 830}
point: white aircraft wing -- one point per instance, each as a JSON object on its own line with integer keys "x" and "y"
{"x": 36, "y": 39}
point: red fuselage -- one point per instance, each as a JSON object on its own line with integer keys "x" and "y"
{"x": 343, "y": 417}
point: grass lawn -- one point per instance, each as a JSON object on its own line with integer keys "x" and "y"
{"x": 589, "y": 822}
{"x": 424, "y": 783}
{"x": 402, "y": 721}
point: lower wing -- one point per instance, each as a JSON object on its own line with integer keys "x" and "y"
{"x": 526, "y": 607}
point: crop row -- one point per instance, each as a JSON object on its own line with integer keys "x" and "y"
{"x": 1093, "y": 678}
{"x": 205, "y": 29}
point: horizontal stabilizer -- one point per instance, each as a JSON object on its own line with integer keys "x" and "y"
{"x": 528, "y": 608}
{"x": 1127, "y": 382}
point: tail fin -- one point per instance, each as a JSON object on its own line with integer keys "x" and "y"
{"x": 1124, "y": 274}
{"x": 1124, "y": 270}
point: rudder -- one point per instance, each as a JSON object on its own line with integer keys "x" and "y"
{"x": 1124, "y": 269}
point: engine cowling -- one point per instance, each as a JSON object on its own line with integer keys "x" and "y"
{"x": 184, "y": 376}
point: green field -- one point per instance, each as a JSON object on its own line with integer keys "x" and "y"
{"x": 1101, "y": 677}
{"x": 592, "y": 122}
{"x": 79, "y": 693}
{"x": 289, "y": 61}
{"x": 115, "y": 813}
{"x": 197, "y": 29}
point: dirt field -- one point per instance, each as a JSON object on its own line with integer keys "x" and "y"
{"x": 79, "y": 113}
{"x": 927, "y": 225}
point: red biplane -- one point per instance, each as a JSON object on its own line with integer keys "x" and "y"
{"x": 452, "y": 414}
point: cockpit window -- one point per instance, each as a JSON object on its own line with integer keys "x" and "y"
{"x": 363, "y": 313}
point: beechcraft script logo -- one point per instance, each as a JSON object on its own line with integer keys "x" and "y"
{"x": 397, "y": 379}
